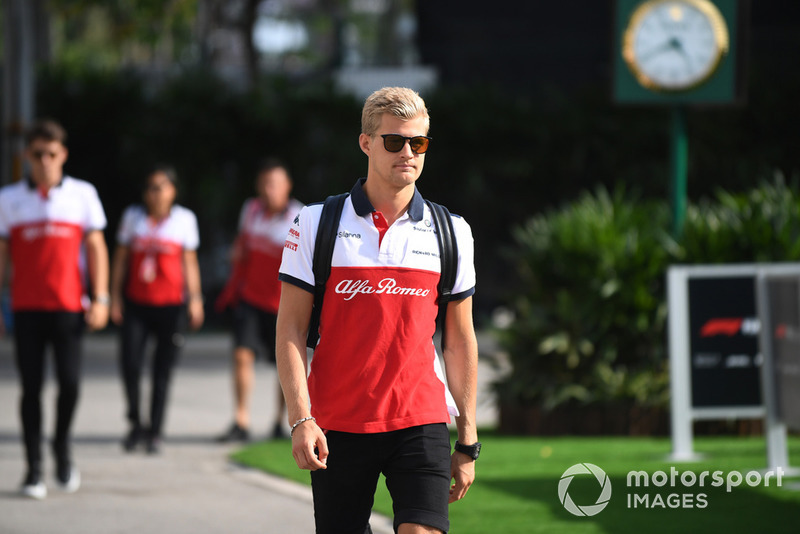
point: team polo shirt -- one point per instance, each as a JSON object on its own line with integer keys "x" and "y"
{"x": 262, "y": 236}
{"x": 375, "y": 367}
{"x": 45, "y": 233}
{"x": 155, "y": 264}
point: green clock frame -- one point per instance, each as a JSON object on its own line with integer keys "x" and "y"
{"x": 726, "y": 86}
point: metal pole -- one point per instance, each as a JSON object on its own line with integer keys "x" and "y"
{"x": 774, "y": 428}
{"x": 679, "y": 372}
{"x": 679, "y": 159}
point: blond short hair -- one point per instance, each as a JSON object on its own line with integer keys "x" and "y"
{"x": 401, "y": 102}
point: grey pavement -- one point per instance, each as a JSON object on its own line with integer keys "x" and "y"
{"x": 192, "y": 487}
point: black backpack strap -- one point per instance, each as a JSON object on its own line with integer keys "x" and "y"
{"x": 323, "y": 252}
{"x": 448, "y": 255}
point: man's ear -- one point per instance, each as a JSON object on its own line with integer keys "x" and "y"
{"x": 364, "y": 143}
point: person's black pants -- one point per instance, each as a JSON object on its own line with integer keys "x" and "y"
{"x": 165, "y": 323}
{"x": 33, "y": 331}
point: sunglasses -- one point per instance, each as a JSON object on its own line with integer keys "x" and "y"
{"x": 395, "y": 143}
{"x": 39, "y": 154}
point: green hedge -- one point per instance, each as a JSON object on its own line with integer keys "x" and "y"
{"x": 590, "y": 314}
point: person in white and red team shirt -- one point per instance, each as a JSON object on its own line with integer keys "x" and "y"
{"x": 155, "y": 286}
{"x": 378, "y": 401}
{"x": 50, "y": 222}
{"x": 253, "y": 289}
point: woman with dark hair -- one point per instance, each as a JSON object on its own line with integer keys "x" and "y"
{"x": 155, "y": 286}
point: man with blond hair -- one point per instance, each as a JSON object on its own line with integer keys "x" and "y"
{"x": 375, "y": 400}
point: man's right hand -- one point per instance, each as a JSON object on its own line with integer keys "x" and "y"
{"x": 308, "y": 439}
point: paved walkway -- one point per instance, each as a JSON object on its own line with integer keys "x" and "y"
{"x": 190, "y": 488}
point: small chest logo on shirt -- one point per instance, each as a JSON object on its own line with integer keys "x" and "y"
{"x": 344, "y": 234}
{"x": 387, "y": 286}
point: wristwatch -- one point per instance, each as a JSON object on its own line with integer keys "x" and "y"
{"x": 473, "y": 451}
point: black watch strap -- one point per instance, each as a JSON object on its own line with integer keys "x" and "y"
{"x": 473, "y": 451}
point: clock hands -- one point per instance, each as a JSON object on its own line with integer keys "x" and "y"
{"x": 672, "y": 44}
{"x": 665, "y": 47}
{"x": 678, "y": 47}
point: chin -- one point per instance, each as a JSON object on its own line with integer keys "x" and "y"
{"x": 407, "y": 177}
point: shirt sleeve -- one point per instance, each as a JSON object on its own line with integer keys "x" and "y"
{"x": 298, "y": 250}
{"x": 4, "y": 225}
{"x": 96, "y": 217}
{"x": 192, "y": 237}
{"x": 465, "y": 275}
{"x": 244, "y": 212}
{"x": 127, "y": 226}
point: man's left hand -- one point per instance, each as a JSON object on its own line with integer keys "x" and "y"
{"x": 97, "y": 316}
{"x": 462, "y": 471}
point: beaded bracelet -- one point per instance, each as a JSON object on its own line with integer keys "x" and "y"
{"x": 300, "y": 422}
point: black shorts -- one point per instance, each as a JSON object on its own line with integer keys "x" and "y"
{"x": 416, "y": 463}
{"x": 255, "y": 329}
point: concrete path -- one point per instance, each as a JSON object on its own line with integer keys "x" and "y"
{"x": 190, "y": 488}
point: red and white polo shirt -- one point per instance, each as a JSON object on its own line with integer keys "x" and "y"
{"x": 45, "y": 233}
{"x": 375, "y": 368}
{"x": 155, "y": 265}
{"x": 262, "y": 236}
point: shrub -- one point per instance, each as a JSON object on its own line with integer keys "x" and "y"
{"x": 590, "y": 313}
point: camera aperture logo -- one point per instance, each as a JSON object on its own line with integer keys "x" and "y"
{"x": 584, "y": 510}
{"x": 661, "y": 489}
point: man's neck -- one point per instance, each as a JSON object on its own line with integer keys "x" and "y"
{"x": 392, "y": 203}
{"x": 272, "y": 210}
{"x": 43, "y": 183}
{"x": 159, "y": 213}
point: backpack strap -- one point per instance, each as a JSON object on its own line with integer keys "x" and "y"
{"x": 323, "y": 252}
{"x": 448, "y": 255}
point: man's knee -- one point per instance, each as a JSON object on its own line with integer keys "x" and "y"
{"x": 414, "y": 528}
{"x": 243, "y": 356}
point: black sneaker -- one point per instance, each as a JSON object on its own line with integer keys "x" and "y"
{"x": 133, "y": 439}
{"x": 153, "y": 445}
{"x": 234, "y": 433}
{"x": 33, "y": 486}
{"x": 68, "y": 477}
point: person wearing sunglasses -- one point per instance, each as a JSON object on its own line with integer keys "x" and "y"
{"x": 375, "y": 400}
{"x": 155, "y": 288}
{"x": 50, "y": 222}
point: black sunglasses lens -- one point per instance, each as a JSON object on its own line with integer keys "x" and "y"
{"x": 393, "y": 143}
{"x": 419, "y": 144}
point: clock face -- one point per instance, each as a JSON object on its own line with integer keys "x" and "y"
{"x": 674, "y": 45}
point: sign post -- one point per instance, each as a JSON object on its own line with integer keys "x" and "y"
{"x": 779, "y": 310}
{"x": 734, "y": 346}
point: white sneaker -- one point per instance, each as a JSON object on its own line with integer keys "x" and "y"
{"x": 72, "y": 482}
{"x": 33, "y": 487}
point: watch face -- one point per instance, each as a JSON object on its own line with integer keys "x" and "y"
{"x": 675, "y": 45}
